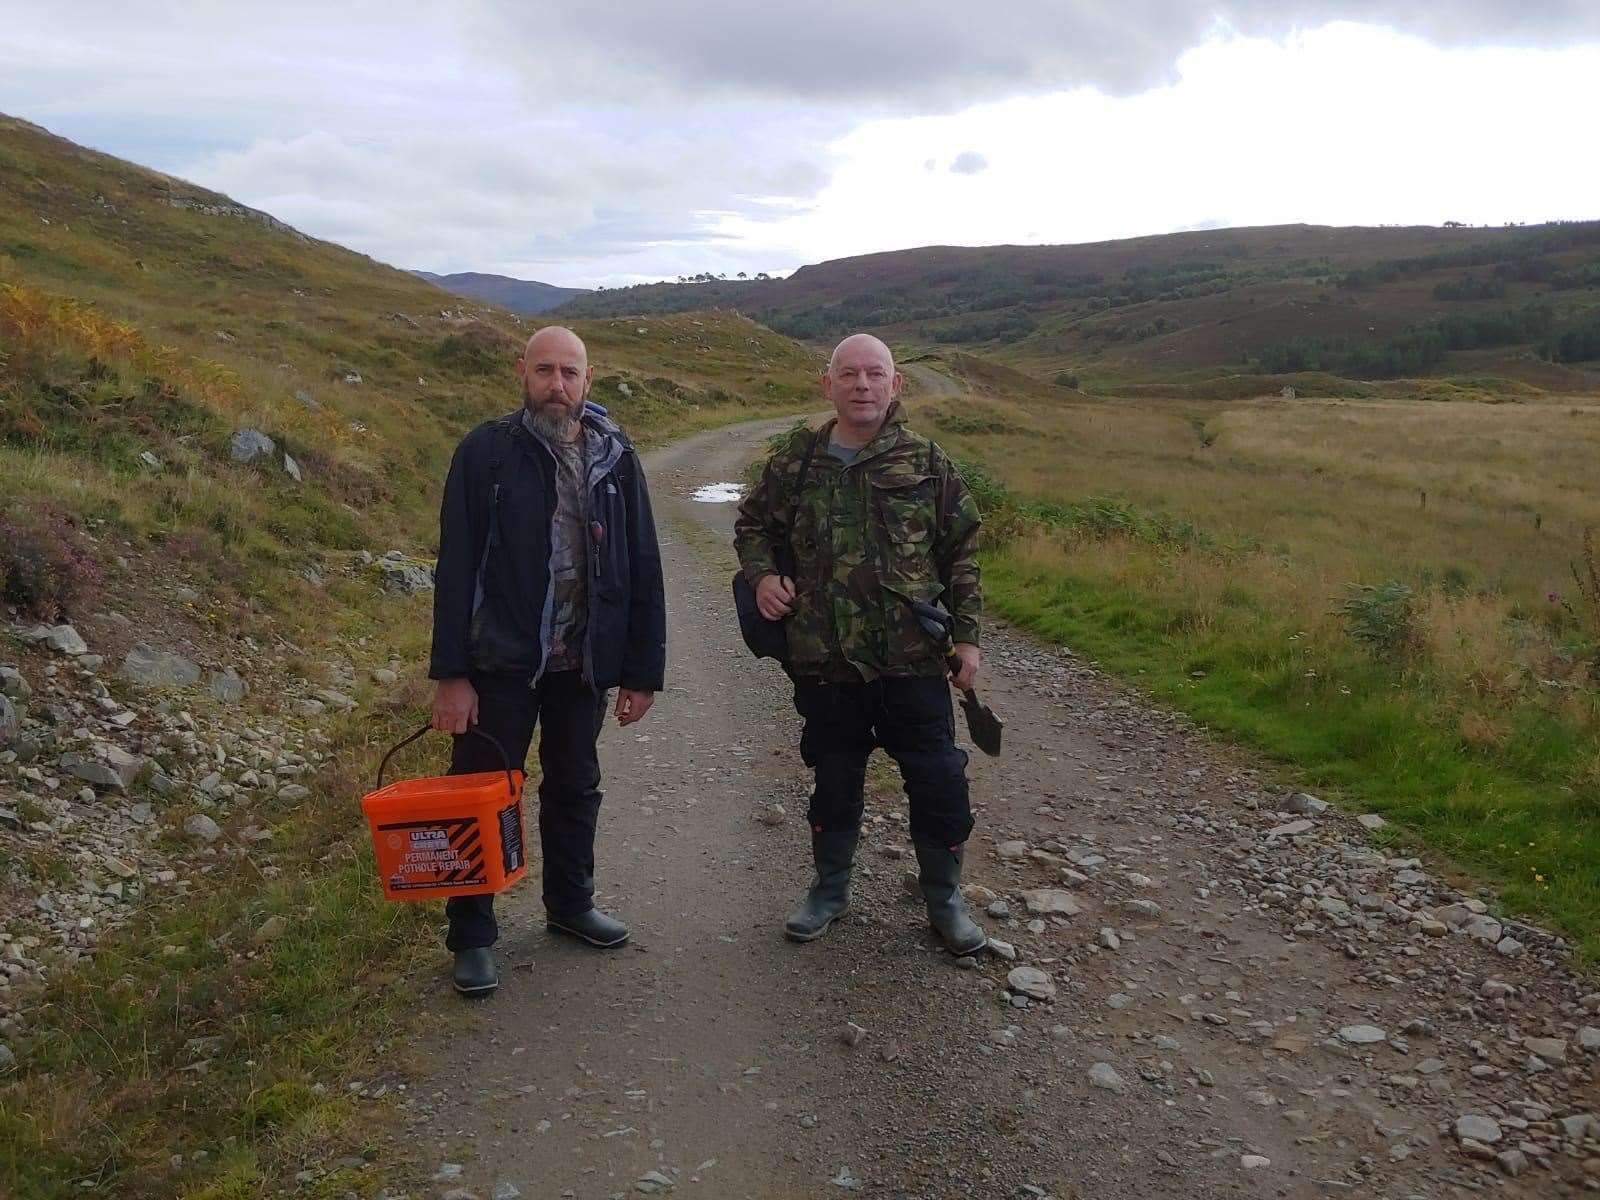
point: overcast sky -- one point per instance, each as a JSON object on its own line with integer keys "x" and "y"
{"x": 632, "y": 140}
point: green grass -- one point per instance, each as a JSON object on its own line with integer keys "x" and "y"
{"x": 1209, "y": 551}
{"x": 1366, "y": 733}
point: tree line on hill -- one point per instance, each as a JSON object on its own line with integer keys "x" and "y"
{"x": 1420, "y": 349}
{"x": 952, "y": 304}
{"x": 1520, "y": 259}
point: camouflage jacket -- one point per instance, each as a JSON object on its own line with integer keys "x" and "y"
{"x": 895, "y": 525}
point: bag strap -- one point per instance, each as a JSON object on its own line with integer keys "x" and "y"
{"x": 799, "y": 488}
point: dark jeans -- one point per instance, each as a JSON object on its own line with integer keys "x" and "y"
{"x": 914, "y": 721}
{"x": 569, "y": 714}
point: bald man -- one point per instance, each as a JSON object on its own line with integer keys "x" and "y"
{"x": 877, "y": 517}
{"x": 548, "y": 594}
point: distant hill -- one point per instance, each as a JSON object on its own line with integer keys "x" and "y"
{"x": 525, "y": 296}
{"x": 1354, "y": 302}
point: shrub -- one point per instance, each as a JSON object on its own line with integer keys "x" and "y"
{"x": 478, "y": 349}
{"x": 1578, "y": 342}
{"x": 1066, "y": 379}
{"x": 44, "y": 565}
{"x": 1384, "y": 617}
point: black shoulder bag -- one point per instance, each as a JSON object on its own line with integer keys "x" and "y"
{"x": 770, "y": 639}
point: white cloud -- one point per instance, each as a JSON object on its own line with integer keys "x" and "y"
{"x": 1263, "y": 131}
{"x": 609, "y": 143}
{"x": 946, "y": 53}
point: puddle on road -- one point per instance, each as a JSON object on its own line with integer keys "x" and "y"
{"x": 719, "y": 493}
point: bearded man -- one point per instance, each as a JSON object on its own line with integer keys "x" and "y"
{"x": 548, "y": 594}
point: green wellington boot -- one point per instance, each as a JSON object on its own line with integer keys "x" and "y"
{"x": 829, "y": 898}
{"x": 940, "y": 877}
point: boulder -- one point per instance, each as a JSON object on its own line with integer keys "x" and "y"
{"x": 1104, "y": 1075}
{"x": 1305, "y": 805}
{"x": 1362, "y": 1035}
{"x": 10, "y": 722}
{"x": 1051, "y": 902}
{"x": 1581, "y": 1125}
{"x": 1031, "y": 982}
{"x": 1552, "y": 1050}
{"x": 111, "y": 767}
{"x": 1480, "y": 1129}
{"x": 227, "y": 686}
{"x": 63, "y": 639}
{"x": 149, "y": 667}
{"x": 407, "y": 576}
{"x": 14, "y": 684}
{"x": 202, "y": 828}
{"x": 250, "y": 445}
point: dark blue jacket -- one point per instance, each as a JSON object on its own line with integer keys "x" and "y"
{"x": 491, "y": 603}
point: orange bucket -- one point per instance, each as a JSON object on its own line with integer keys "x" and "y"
{"x": 448, "y": 835}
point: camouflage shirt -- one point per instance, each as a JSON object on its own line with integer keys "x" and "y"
{"x": 896, "y": 524}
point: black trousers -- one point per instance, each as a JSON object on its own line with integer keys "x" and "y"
{"x": 569, "y": 714}
{"x": 913, "y": 719}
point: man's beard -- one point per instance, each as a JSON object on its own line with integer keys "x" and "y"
{"x": 554, "y": 421}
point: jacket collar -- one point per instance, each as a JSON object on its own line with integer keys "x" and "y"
{"x": 887, "y": 437}
{"x": 598, "y": 428}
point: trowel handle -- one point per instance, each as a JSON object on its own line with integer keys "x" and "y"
{"x": 953, "y": 664}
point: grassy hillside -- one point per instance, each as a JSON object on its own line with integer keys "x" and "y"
{"x": 1183, "y": 309}
{"x": 1394, "y": 598}
{"x": 141, "y": 314}
{"x": 144, "y": 323}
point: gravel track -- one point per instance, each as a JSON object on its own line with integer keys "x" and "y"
{"x": 1216, "y": 952}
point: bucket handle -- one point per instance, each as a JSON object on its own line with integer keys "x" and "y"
{"x": 511, "y": 784}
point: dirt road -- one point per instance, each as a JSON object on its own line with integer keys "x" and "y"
{"x": 1249, "y": 998}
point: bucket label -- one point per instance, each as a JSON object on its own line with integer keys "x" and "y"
{"x": 511, "y": 835}
{"x": 436, "y": 854}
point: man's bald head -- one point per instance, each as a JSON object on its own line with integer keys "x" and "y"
{"x": 555, "y": 375}
{"x": 555, "y": 339}
{"x": 858, "y": 345}
{"x": 861, "y": 384}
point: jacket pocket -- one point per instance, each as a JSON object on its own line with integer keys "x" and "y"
{"x": 904, "y": 508}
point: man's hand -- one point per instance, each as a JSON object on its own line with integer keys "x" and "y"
{"x": 775, "y": 596}
{"x": 455, "y": 705}
{"x": 967, "y": 676}
{"x": 632, "y": 705}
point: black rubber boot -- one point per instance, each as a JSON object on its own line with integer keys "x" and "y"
{"x": 940, "y": 876}
{"x": 594, "y": 927}
{"x": 475, "y": 975}
{"x": 829, "y": 898}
